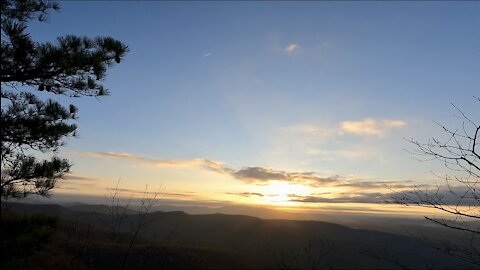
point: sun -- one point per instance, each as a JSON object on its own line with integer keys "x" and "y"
{"x": 281, "y": 193}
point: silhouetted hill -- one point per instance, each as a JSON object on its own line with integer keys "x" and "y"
{"x": 291, "y": 243}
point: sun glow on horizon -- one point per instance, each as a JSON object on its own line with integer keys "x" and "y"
{"x": 280, "y": 192}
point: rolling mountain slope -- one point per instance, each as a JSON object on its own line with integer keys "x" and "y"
{"x": 288, "y": 242}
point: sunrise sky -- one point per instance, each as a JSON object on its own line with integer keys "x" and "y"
{"x": 302, "y": 104}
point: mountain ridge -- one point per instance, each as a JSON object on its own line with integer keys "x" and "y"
{"x": 266, "y": 239}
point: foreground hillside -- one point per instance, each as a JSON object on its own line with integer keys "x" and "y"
{"x": 91, "y": 237}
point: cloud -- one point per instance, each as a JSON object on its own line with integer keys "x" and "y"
{"x": 159, "y": 193}
{"x": 292, "y": 48}
{"x": 368, "y": 197}
{"x": 440, "y": 195}
{"x": 262, "y": 175}
{"x": 456, "y": 196}
{"x": 464, "y": 196}
{"x": 344, "y": 140}
{"x": 370, "y": 127}
{"x": 259, "y": 175}
{"x": 186, "y": 163}
{"x": 206, "y": 55}
{"x": 255, "y": 175}
{"x": 316, "y": 132}
{"x": 350, "y": 190}
{"x": 394, "y": 123}
{"x": 246, "y": 194}
{"x": 379, "y": 184}
{"x": 77, "y": 178}
{"x": 78, "y": 182}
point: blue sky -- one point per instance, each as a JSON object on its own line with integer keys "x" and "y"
{"x": 329, "y": 87}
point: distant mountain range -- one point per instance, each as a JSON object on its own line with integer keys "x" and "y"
{"x": 274, "y": 243}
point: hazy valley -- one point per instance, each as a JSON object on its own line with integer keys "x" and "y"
{"x": 235, "y": 241}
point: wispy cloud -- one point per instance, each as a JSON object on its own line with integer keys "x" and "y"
{"x": 263, "y": 175}
{"x": 365, "y": 127}
{"x": 246, "y": 194}
{"x": 371, "y": 127}
{"x": 350, "y": 190}
{"x": 345, "y": 140}
{"x": 206, "y": 55}
{"x": 367, "y": 197}
{"x": 330, "y": 197}
{"x": 186, "y": 163}
{"x": 376, "y": 185}
{"x": 256, "y": 175}
{"x": 292, "y": 48}
{"x": 443, "y": 195}
{"x": 78, "y": 182}
{"x": 160, "y": 193}
{"x": 78, "y": 178}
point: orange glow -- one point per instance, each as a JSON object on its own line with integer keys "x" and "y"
{"x": 278, "y": 192}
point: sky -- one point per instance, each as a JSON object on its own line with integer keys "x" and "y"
{"x": 298, "y": 104}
